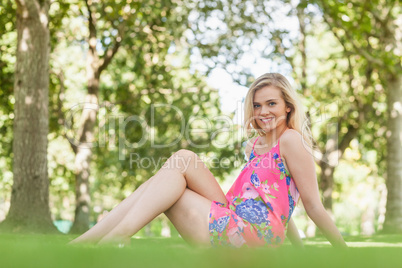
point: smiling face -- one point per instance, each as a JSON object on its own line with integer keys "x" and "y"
{"x": 270, "y": 109}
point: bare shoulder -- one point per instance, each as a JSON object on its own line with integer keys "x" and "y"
{"x": 291, "y": 135}
{"x": 292, "y": 142}
{"x": 249, "y": 146}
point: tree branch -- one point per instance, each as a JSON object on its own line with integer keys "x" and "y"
{"x": 302, "y": 46}
{"x": 60, "y": 97}
{"x": 111, "y": 52}
{"x": 278, "y": 44}
{"x": 60, "y": 100}
{"x": 333, "y": 23}
{"x": 364, "y": 6}
{"x": 91, "y": 27}
{"x": 384, "y": 21}
{"x": 346, "y": 139}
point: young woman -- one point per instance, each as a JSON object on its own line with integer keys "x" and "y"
{"x": 257, "y": 209}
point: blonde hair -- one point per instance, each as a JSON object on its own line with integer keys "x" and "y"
{"x": 296, "y": 118}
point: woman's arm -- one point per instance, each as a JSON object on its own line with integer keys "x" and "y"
{"x": 293, "y": 234}
{"x": 321, "y": 218}
{"x": 301, "y": 165}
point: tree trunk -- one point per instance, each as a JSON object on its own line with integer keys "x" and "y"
{"x": 86, "y": 133}
{"x": 333, "y": 153}
{"x": 82, "y": 166}
{"x": 327, "y": 184}
{"x": 95, "y": 66}
{"x": 302, "y": 47}
{"x": 86, "y": 138}
{"x": 393, "y": 214}
{"x": 29, "y": 208}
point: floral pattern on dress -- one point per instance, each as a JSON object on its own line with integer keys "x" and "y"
{"x": 219, "y": 225}
{"x": 259, "y": 204}
{"x": 253, "y": 211}
{"x": 255, "y": 180}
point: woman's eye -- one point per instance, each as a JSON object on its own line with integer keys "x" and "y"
{"x": 256, "y": 105}
{"x": 272, "y": 103}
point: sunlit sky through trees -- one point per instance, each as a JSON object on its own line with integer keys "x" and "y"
{"x": 232, "y": 93}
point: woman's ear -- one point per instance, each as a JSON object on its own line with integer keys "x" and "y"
{"x": 288, "y": 109}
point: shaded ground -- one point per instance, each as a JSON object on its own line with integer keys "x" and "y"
{"x": 52, "y": 251}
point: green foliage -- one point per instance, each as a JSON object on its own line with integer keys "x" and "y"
{"x": 366, "y": 28}
{"x": 8, "y": 40}
{"x": 155, "y": 66}
{"x": 365, "y": 31}
{"x": 225, "y": 33}
{"x": 148, "y": 79}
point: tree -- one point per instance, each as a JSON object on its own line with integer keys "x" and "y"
{"x": 330, "y": 143}
{"x": 368, "y": 29}
{"x": 143, "y": 69}
{"x": 143, "y": 32}
{"x": 29, "y": 208}
{"x": 96, "y": 64}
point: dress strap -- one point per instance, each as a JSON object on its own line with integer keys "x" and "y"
{"x": 255, "y": 142}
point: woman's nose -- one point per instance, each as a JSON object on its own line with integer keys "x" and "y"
{"x": 264, "y": 110}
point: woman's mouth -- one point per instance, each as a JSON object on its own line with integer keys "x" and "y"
{"x": 266, "y": 120}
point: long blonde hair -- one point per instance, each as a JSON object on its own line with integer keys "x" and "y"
{"x": 296, "y": 118}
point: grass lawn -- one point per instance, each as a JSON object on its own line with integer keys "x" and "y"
{"x": 52, "y": 251}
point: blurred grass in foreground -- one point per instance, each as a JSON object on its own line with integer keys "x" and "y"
{"x": 52, "y": 251}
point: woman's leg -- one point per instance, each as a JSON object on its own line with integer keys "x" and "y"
{"x": 112, "y": 218}
{"x": 190, "y": 216}
{"x": 183, "y": 170}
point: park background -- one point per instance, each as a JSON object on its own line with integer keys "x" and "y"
{"x": 87, "y": 85}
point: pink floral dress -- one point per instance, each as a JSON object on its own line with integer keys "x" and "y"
{"x": 259, "y": 204}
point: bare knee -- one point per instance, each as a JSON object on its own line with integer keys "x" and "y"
{"x": 181, "y": 160}
{"x": 182, "y": 153}
{"x": 185, "y": 153}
